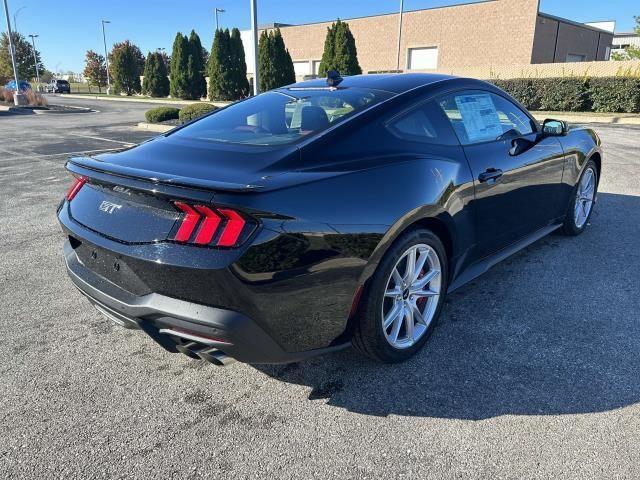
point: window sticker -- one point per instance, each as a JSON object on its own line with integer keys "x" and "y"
{"x": 479, "y": 116}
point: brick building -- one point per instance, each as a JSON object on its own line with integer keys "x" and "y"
{"x": 491, "y": 32}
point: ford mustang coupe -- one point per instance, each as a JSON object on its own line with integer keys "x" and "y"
{"x": 324, "y": 214}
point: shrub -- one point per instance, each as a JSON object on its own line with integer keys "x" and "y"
{"x": 6, "y": 95}
{"x": 604, "y": 94}
{"x": 35, "y": 98}
{"x": 568, "y": 94}
{"x": 195, "y": 110}
{"x": 525, "y": 90}
{"x": 615, "y": 94}
{"x": 161, "y": 114}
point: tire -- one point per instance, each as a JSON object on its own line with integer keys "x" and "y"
{"x": 370, "y": 335}
{"x": 576, "y": 220}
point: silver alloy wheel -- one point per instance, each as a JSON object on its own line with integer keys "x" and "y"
{"x": 411, "y": 296}
{"x": 585, "y": 195}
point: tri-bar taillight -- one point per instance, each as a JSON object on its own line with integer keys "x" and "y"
{"x": 76, "y": 185}
{"x": 207, "y": 225}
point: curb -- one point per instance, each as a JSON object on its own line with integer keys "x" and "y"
{"x": 155, "y": 127}
{"x": 58, "y": 112}
{"x": 586, "y": 119}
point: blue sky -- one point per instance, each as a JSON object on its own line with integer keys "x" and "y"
{"x": 67, "y": 32}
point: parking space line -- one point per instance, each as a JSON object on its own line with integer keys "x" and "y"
{"x": 102, "y": 139}
{"x": 79, "y": 152}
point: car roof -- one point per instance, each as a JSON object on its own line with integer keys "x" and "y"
{"x": 390, "y": 82}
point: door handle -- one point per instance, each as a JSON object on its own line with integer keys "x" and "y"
{"x": 490, "y": 174}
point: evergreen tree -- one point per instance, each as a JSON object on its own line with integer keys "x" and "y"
{"x": 219, "y": 71}
{"x": 274, "y": 62}
{"x": 156, "y": 82}
{"x": 266, "y": 67}
{"x": 239, "y": 65}
{"x": 179, "y": 80}
{"x": 196, "y": 67}
{"x": 340, "y": 51}
{"x": 126, "y": 64}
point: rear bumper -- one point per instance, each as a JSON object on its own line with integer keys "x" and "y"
{"x": 232, "y": 333}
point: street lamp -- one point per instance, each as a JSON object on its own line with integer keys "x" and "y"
{"x": 218, "y": 10}
{"x": 35, "y": 57}
{"x": 254, "y": 45}
{"x": 399, "y": 34}
{"x": 18, "y": 98}
{"x": 15, "y": 16}
{"x": 106, "y": 56}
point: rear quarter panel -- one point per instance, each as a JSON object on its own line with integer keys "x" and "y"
{"x": 323, "y": 237}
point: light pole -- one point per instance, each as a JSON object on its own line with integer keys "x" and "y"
{"x": 399, "y": 35}
{"x": 35, "y": 57}
{"x": 218, "y": 10}
{"x": 106, "y": 56}
{"x": 254, "y": 45}
{"x": 17, "y": 96}
{"x": 15, "y": 16}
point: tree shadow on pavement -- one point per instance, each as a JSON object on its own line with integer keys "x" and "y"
{"x": 552, "y": 330}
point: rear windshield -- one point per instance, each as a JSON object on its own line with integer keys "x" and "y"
{"x": 62, "y": 82}
{"x": 282, "y": 116}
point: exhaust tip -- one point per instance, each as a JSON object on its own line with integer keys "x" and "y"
{"x": 216, "y": 357}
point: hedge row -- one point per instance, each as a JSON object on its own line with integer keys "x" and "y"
{"x": 573, "y": 94}
{"x": 162, "y": 114}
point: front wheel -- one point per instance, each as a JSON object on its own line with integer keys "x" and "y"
{"x": 581, "y": 203}
{"x": 402, "y": 302}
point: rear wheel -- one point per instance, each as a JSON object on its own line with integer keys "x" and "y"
{"x": 403, "y": 300}
{"x": 581, "y": 204}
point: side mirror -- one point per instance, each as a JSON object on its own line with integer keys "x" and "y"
{"x": 520, "y": 145}
{"x": 554, "y": 128}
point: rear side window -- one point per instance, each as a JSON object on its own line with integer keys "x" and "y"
{"x": 425, "y": 124}
{"x": 479, "y": 116}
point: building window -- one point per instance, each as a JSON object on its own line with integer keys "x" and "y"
{"x": 607, "y": 53}
{"x": 301, "y": 68}
{"x": 423, "y": 58}
{"x": 575, "y": 57}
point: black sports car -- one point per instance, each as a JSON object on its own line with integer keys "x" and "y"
{"x": 320, "y": 215}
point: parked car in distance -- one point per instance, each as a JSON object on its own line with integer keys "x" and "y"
{"x": 23, "y": 85}
{"x": 321, "y": 215}
{"x": 59, "y": 86}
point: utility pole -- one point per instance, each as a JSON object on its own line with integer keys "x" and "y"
{"x": 106, "y": 56}
{"x": 399, "y": 35}
{"x": 218, "y": 10}
{"x": 15, "y": 18}
{"x": 35, "y": 57}
{"x": 254, "y": 45}
{"x": 18, "y": 98}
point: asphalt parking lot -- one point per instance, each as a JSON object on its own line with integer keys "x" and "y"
{"x": 533, "y": 371}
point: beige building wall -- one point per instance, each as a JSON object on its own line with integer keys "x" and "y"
{"x": 556, "y": 39}
{"x": 493, "y": 32}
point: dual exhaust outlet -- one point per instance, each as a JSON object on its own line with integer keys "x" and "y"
{"x": 199, "y": 348}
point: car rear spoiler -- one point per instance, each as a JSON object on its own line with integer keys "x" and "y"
{"x": 90, "y": 167}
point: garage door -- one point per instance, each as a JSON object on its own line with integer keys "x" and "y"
{"x": 423, "y": 58}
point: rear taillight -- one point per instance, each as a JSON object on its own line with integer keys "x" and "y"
{"x": 207, "y": 225}
{"x": 75, "y": 187}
